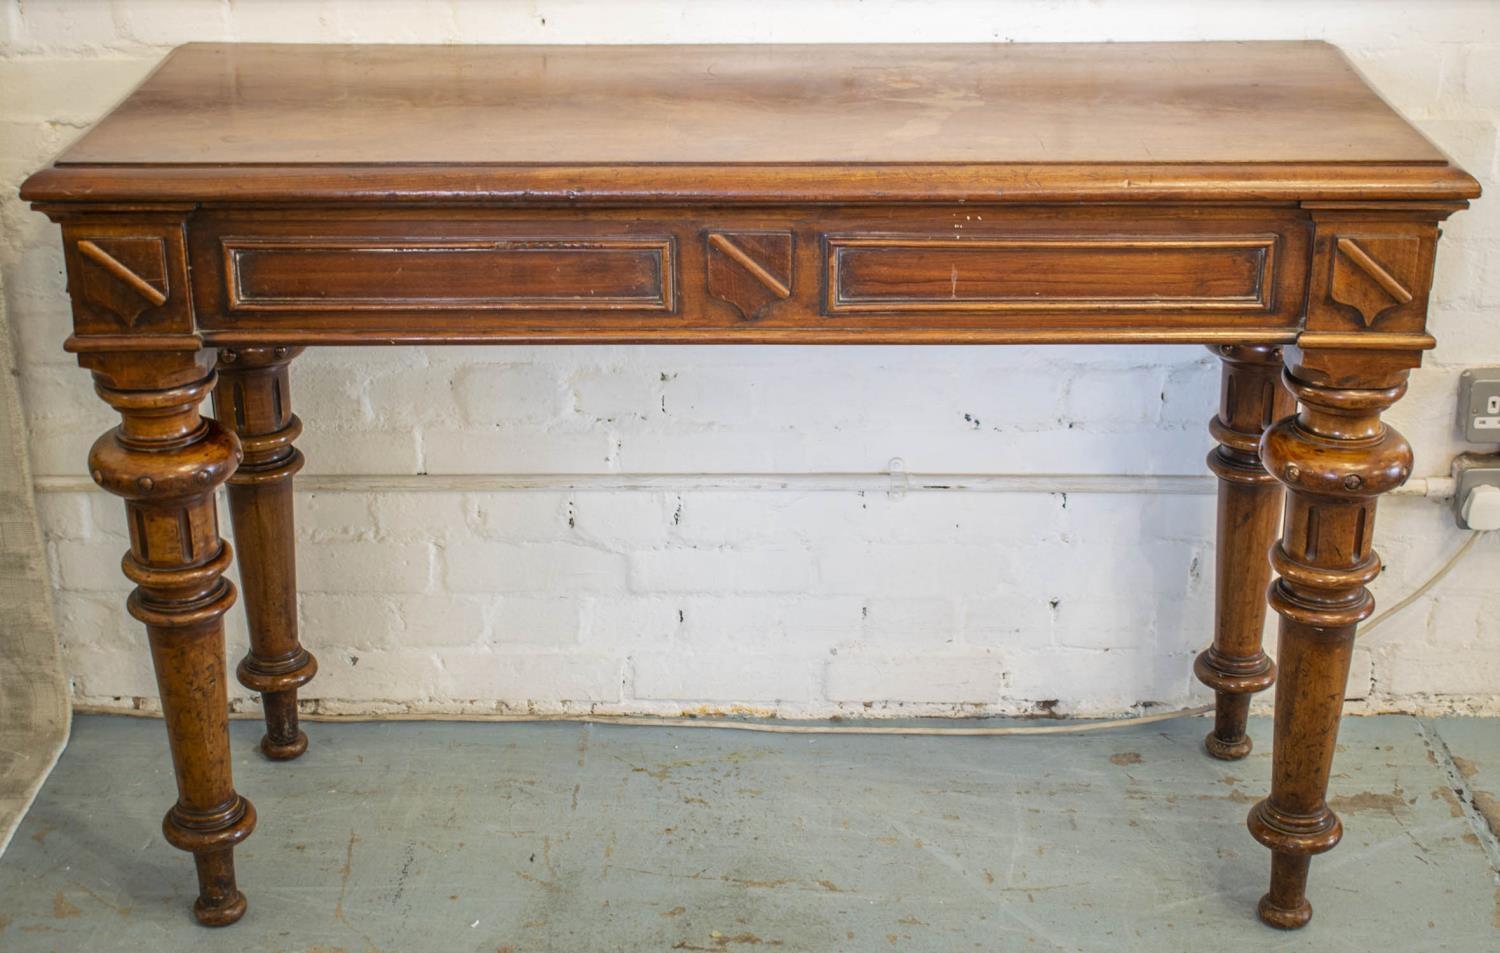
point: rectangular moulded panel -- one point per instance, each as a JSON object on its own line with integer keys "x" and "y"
{"x": 606, "y": 274}
{"x": 967, "y": 275}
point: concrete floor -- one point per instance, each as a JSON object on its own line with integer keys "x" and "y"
{"x": 561, "y": 837}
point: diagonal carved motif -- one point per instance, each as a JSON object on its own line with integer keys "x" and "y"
{"x": 1373, "y": 275}
{"x": 750, "y": 270}
{"x": 124, "y": 276}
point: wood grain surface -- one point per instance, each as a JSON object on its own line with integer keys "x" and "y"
{"x": 1292, "y": 119}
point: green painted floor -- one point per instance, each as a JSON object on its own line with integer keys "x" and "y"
{"x": 560, "y": 837}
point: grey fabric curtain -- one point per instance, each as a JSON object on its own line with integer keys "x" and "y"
{"x": 34, "y": 707}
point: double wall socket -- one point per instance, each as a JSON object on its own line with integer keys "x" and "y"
{"x": 1479, "y": 404}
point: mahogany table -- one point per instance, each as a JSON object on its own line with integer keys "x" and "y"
{"x": 248, "y": 201}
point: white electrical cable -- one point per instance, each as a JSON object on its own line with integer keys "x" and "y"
{"x": 1057, "y": 727}
{"x": 1423, "y": 589}
{"x": 1060, "y": 727}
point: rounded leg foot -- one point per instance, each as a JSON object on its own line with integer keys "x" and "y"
{"x": 1228, "y": 741}
{"x": 1285, "y": 905}
{"x": 1284, "y": 918}
{"x": 284, "y": 739}
{"x": 278, "y": 751}
{"x": 1227, "y": 750}
{"x": 211, "y": 837}
{"x": 220, "y": 914}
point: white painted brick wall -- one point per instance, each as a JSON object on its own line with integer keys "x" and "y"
{"x": 695, "y": 598}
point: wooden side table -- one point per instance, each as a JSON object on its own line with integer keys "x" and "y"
{"x": 249, "y": 201}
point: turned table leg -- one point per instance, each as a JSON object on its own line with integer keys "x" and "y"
{"x": 253, "y": 399}
{"x": 1250, "y": 399}
{"x": 1335, "y": 457}
{"x": 166, "y": 461}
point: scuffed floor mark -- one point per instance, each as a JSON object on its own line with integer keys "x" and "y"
{"x": 1368, "y": 801}
{"x": 1125, "y": 757}
{"x": 1455, "y": 809}
{"x": 344, "y": 872}
{"x": 1487, "y": 804}
{"x": 62, "y": 909}
{"x": 1483, "y": 816}
{"x": 759, "y": 884}
{"x": 722, "y": 941}
{"x": 550, "y": 883}
{"x": 1489, "y": 808}
{"x": 1480, "y": 807}
{"x": 664, "y": 770}
{"x": 103, "y": 902}
{"x": 546, "y": 885}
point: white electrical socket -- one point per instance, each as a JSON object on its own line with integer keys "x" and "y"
{"x": 1476, "y": 497}
{"x": 1479, "y": 404}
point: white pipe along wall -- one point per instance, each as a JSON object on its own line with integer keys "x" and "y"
{"x": 701, "y": 529}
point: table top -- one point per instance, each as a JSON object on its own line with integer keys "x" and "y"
{"x": 263, "y": 122}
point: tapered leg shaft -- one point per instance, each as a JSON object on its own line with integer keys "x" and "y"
{"x": 1235, "y": 667}
{"x": 253, "y": 399}
{"x": 166, "y": 461}
{"x": 1336, "y": 458}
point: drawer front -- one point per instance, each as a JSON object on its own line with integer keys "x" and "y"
{"x": 784, "y": 275}
{"x": 960, "y": 275}
{"x": 506, "y": 274}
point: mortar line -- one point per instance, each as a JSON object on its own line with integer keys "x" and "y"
{"x": 895, "y": 482}
{"x": 1489, "y": 842}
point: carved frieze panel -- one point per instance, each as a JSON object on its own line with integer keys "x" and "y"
{"x": 750, "y": 270}
{"x": 123, "y": 276}
{"x": 128, "y": 278}
{"x": 1371, "y": 279}
{"x": 1374, "y": 274}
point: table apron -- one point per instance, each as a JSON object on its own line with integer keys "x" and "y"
{"x": 876, "y": 275}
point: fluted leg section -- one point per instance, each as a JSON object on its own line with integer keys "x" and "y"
{"x": 1336, "y": 458}
{"x": 1235, "y": 667}
{"x": 166, "y": 461}
{"x": 253, "y": 399}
